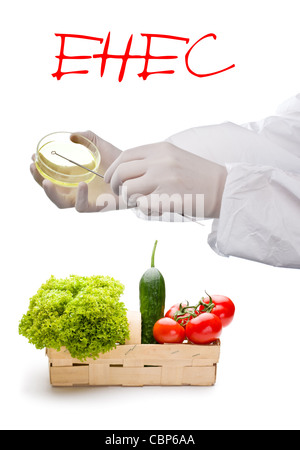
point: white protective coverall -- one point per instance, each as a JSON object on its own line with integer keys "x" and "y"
{"x": 260, "y": 210}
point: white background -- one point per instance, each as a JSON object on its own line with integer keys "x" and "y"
{"x": 258, "y": 373}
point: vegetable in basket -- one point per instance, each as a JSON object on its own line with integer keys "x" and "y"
{"x": 152, "y": 299}
{"x": 83, "y": 314}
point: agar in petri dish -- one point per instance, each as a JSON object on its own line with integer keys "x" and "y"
{"x": 61, "y": 171}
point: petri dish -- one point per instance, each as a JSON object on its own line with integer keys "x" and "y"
{"x": 60, "y": 171}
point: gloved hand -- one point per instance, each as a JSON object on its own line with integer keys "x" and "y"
{"x": 161, "y": 177}
{"x": 91, "y": 197}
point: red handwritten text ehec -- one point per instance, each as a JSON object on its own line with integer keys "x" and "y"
{"x": 126, "y": 56}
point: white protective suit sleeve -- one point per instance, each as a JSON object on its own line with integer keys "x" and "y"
{"x": 260, "y": 211}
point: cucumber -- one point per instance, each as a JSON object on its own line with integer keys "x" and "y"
{"x": 152, "y": 300}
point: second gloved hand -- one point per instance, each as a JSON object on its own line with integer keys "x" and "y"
{"x": 161, "y": 177}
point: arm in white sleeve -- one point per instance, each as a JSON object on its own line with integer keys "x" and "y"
{"x": 260, "y": 216}
{"x": 260, "y": 212}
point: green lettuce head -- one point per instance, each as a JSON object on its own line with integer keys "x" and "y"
{"x": 84, "y": 314}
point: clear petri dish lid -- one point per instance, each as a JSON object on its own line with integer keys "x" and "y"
{"x": 60, "y": 171}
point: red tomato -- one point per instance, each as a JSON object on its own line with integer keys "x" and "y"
{"x": 184, "y": 318}
{"x": 224, "y": 308}
{"x": 167, "y": 330}
{"x": 204, "y": 329}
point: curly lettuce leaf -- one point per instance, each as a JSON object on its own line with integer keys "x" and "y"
{"x": 84, "y": 314}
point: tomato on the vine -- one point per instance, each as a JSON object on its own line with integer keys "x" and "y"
{"x": 200, "y": 324}
{"x": 167, "y": 330}
{"x": 204, "y": 329}
{"x": 181, "y": 312}
{"x": 224, "y": 308}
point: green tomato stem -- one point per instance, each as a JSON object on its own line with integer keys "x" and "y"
{"x": 207, "y": 307}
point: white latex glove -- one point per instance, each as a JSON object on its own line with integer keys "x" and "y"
{"x": 162, "y": 178}
{"x": 92, "y": 197}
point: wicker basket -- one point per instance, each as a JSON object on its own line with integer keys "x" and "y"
{"x": 136, "y": 364}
